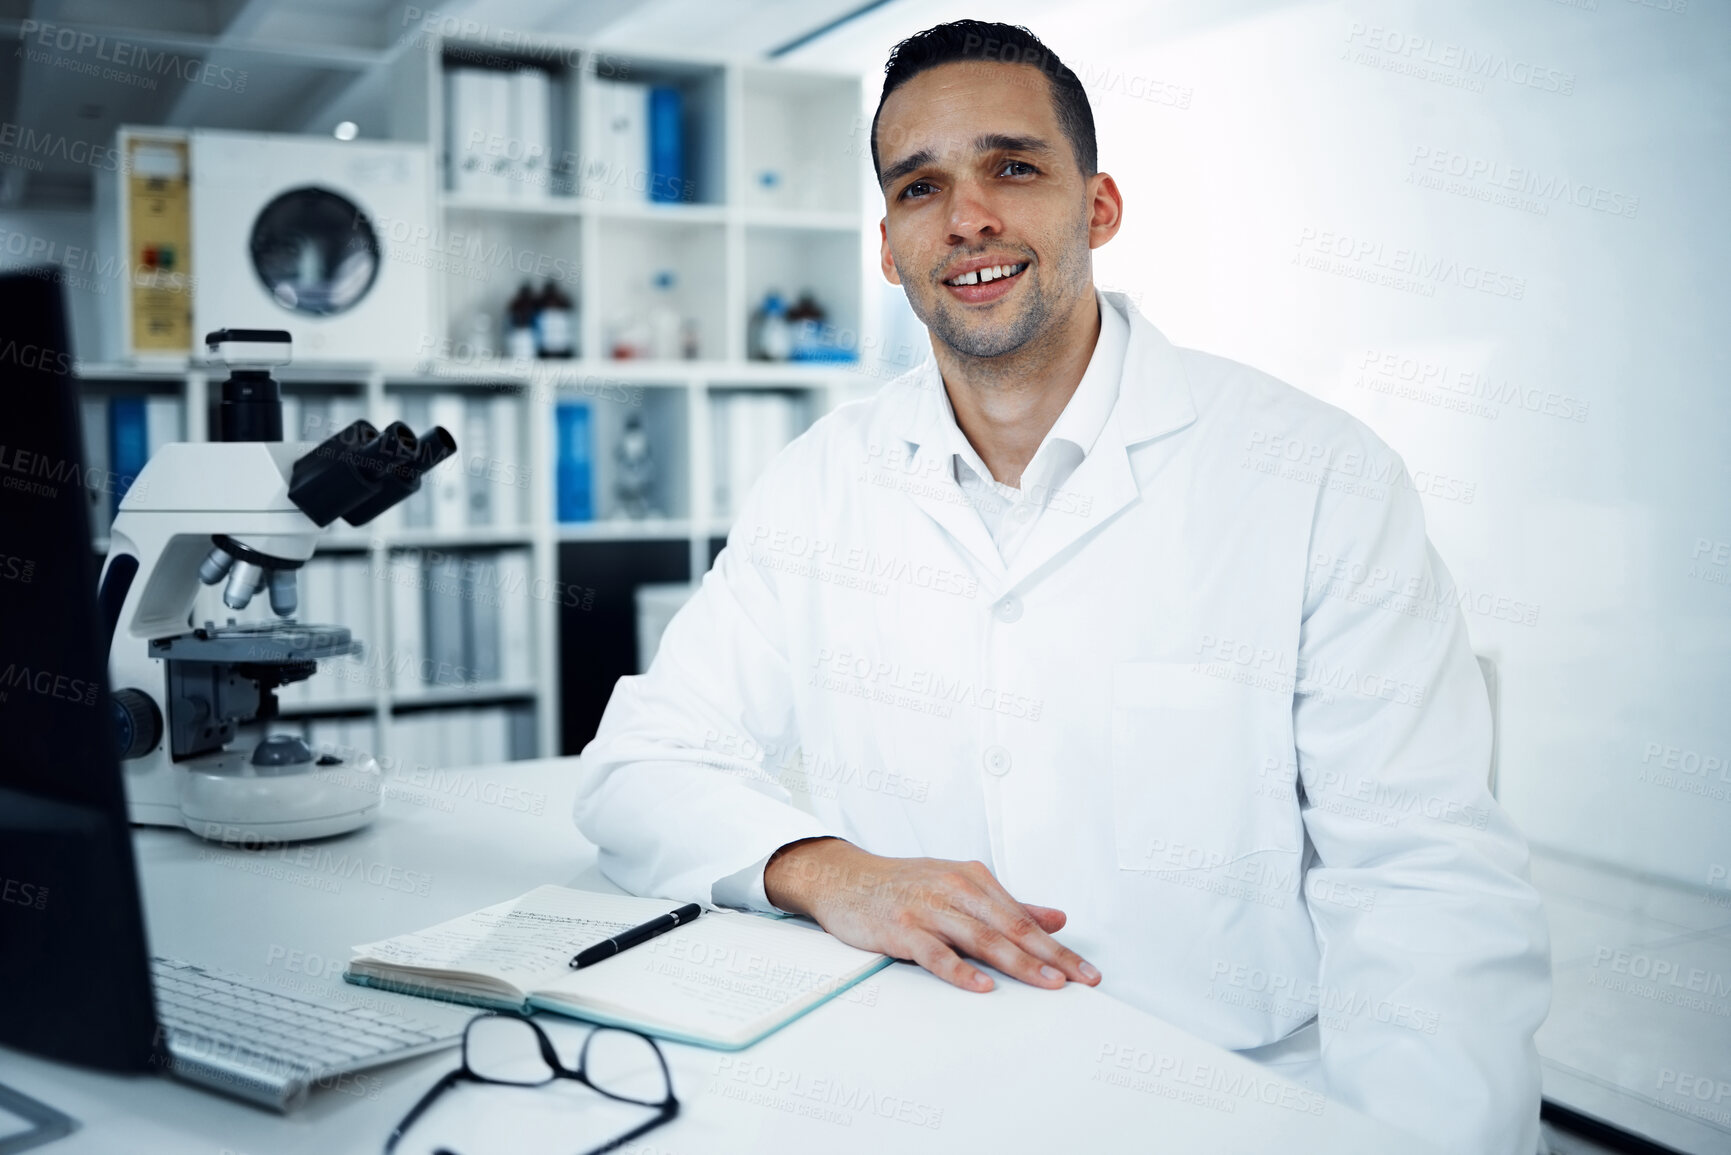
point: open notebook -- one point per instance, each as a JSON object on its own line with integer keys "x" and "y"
{"x": 725, "y": 980}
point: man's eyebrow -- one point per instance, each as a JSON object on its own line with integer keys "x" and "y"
{"x": 991, "y": 142}
{"x": 1003, "y": 142}
{"x": 906, "y": 165}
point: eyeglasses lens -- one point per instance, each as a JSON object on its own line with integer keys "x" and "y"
{"x": 503, "y": 1049}
{"x": 626, "y": 1066}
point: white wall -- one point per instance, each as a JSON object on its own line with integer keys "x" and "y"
{"x": 1251, "y": 139}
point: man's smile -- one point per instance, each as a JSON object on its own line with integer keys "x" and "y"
{"x": 977, "y": 281}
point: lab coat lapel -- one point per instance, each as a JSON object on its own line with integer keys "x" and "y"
{"x": 921, "y": 465}
{"x": 1153, "y": 400}
{"x": 943, "y": 501}
{"x": 1100, "y": 487}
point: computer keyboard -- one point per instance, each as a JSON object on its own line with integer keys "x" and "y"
{"x": 223, "y": 1031}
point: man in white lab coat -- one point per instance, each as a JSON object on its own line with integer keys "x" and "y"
{"x": 1078, "y": 617}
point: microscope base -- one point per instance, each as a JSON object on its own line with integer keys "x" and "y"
{"x": 224, "y": 798}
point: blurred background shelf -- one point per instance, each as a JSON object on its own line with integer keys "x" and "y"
{"x": 501, "y": 599}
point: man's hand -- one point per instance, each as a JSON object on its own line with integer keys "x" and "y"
{"x": 925, "y": 909}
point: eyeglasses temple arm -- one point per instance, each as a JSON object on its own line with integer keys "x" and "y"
{"x": 415, "y": 1112}
{"x": 667, "y": 1113}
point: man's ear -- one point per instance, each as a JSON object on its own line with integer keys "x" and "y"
{"x": 1105, "y": 209}
{"x": 885, "y": 261}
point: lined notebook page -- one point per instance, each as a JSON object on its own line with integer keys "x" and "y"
{"x": 517, "y": 943}
{"x": 727, "y": 975}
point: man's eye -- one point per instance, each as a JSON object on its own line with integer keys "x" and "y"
{"x": 919, "y": 188}
{"x": 1017, "y": 168}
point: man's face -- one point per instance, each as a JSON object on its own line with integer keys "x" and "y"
{"x": 980, "y": 182}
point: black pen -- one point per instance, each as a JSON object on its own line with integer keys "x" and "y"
{"x": 626, "y": 939}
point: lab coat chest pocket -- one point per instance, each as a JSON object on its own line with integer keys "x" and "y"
{"x": 1196, "y": 763}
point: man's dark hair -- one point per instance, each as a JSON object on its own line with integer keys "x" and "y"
{"x": 965, "y": 40}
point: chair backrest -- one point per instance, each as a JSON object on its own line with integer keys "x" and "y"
{"x": 1488, "y": 667}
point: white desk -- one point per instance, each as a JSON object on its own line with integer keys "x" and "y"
{"x": 1018, "y": 1069}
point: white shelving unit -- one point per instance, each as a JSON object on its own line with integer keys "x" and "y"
{"x": 776, "y": 174}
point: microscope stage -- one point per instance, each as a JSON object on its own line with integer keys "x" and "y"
{"x": 257, "y": 642}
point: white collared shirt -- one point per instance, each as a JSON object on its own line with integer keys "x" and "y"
{"x": 1010, "y": 512}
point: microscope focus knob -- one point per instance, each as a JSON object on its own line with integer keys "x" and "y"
{"x": 137, "y": 723}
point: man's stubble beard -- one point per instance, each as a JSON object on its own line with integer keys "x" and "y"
{"x": 1040, "y": 313}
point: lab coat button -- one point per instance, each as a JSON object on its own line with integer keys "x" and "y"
{"x": 997, "y": 761}
{"x": 1022, "y": 513}
{"x": 1008, "y": 609}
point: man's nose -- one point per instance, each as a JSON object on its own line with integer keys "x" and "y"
{"x": 972, "y": 214}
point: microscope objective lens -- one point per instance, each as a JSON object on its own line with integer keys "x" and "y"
{"x": 244, "y": 581}
{"x": 282, "y": 592}
{"x": 215, "y": 565}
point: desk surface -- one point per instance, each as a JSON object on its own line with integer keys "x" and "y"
{"x": 902, "y": 1062}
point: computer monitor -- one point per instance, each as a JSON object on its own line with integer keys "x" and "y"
{"x": 74, "y": 964}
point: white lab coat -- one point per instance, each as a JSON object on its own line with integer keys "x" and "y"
{"x": 1219, "y": 709}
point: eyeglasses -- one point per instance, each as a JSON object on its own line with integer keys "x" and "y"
{"x": 508, "y": 1049}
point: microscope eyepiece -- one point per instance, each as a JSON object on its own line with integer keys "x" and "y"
{"x": 404, "y": 477}
{"x": 360, "y": 472}
{"x": 436, "y": 445}
{"x": 339, "y": 471}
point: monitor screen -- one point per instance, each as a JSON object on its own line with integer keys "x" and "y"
{"x": 73, "y": 958}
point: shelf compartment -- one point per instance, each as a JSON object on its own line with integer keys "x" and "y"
{"x": 598, "y": 644}
{"x": 805, "y": 143}
{"x": 311, "y": 410}
{"x": 606, "y": 176}
{"x": 482, "y": 490}
{"x": 424, "y": 738}
{"x": 748, "y": 428}
{"x": 633, "y": 252}
{"x": 508, "y": 122}
{"x": 123, "y": 424}
{"x": 462, "y": 623}
{"x": 482, "y": 258}
{"x": 662, "y": 411}
{"x": 793, "y": 261}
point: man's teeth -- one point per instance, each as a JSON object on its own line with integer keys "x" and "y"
{"x": 981, "y": 276}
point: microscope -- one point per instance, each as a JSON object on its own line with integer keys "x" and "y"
{"x": 246, "y": 509}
